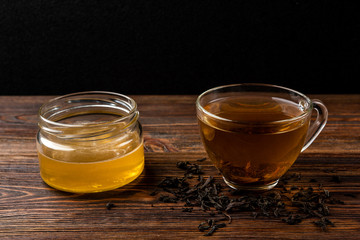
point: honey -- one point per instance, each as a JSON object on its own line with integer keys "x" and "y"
{"x": 90, "y": 142}
{"x": 85, "y": 177}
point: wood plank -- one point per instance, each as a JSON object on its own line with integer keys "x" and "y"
{"x": 31, "y": 208}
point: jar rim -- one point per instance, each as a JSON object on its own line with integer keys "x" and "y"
{"x": 111, "y": 95}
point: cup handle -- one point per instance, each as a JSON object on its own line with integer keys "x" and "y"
{"x": 318, "y": 125}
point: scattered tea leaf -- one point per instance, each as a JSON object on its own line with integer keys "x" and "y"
{"x": 187, "y": 209}
{"x": 350, "y": 195}
{"x": 214, "y": 228}
{"x": 167, "y": 199}
{"x": 336, "y": 179}
{"x": 293, "y": 219}
{"x": 109, "y": 205}
{"x": 201, "y": 160}
{"x": 207, "y": 194}
{"x": 323, "y": 223}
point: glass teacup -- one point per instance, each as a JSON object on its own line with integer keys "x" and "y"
{"x": 253, "y": 133}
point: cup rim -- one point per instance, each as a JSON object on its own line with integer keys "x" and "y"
{"x": 132, "y": 111}
{"x": 307, "y": 111}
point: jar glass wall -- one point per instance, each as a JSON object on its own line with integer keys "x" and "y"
{"x": 90, "y": 142}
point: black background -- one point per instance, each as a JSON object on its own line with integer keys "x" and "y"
{"x": 177, "y": 47}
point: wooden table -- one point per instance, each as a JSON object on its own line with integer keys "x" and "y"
{"x": 31, "y": 209}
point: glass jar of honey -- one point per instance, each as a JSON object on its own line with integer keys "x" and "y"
{"x": 90, "y": 142}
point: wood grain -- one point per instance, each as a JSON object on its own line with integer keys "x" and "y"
{"x": 30, "y": 209}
